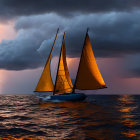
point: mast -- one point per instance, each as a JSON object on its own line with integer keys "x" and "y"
{"x": 63, "y": 82}
{"x": 88, "y": 75}
{"x": 73, "y": 91}
{"x": 45, "y": 83}
{"x": 54, "y": 41}
{"x": 58, "y": 64}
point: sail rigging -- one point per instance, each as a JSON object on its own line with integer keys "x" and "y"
{"x": 88, "y": 75}
{"x": 45, "y": 83}
{"x": 63, "y": 82}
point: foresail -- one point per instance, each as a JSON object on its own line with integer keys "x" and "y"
{"x": 45, "y": 83}
{"x": 88, "y": 76}
{"x": 63, "y": 82}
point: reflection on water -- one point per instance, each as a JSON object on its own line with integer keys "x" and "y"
{"x": 78, "y": 120}
{"x": 129, "y": 115}
{"x": 99, "y": 117}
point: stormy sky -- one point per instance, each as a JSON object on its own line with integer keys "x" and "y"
{"x": 114, "y": 32}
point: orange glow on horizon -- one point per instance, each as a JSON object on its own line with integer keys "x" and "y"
{"x": 73, "y": 64}
{"x": 72, "y": 61}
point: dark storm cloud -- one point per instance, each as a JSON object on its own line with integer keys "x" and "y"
{"x": 135, "y": 72}
{"x": 132, "y": 66}
{"x": 21, "y": 53}
{"x": 13, "y": 8}
{"x": 112, "y": 34}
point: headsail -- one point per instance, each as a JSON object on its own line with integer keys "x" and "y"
{"x": 88, "y": 76}
{"x": 45, "y": 83}
{"x": 63, "y": 82}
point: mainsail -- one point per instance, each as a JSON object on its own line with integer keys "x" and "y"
{"x": 88, "y": 75}
{"x": 63, "y": 82}
{"x": 45, "y": 83}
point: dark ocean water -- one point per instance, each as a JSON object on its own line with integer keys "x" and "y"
{"x": 100, "y": 117}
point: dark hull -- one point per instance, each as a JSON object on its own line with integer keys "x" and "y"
{"x": 69, "y": 97}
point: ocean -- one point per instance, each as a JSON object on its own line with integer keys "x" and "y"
{"x": 99, "y": 117}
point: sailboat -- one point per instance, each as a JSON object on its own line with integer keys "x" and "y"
{"x": 88, "y": 75}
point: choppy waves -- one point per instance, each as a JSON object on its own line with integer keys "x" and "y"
{"x": 99, "y": 117}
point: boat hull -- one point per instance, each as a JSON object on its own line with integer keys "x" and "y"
{"x": 69, "y": 97}
{"x": 65, "y": 97}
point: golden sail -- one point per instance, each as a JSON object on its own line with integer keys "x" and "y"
{"x": 63, "y": 82}
{"x": 88, "y": 75}
{"x": 45, "y": 83}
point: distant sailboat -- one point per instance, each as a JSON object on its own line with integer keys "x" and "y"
{"x": 88, "y": 75}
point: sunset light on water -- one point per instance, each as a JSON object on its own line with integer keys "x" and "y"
{"x": 69, "y": 70}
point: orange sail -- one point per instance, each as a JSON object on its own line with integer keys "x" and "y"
{"x": 88, "y": 76}
{"x": 45, "y": 83}
{"x": 63, "y": 82}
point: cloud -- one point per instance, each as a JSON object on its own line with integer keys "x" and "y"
{"x": 112, "y": 34}
{"x": 20, "y": 53}
{"x": 15, "y": 8}
{"x": 132, "y": 66}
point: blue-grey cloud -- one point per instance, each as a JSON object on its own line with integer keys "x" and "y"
{"x": 112, "y": 34}
{"x": 15, "y": 8}
{"x": 132, "y": 66}
{"x": 20, "y": 53}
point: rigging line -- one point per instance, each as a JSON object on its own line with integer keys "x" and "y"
{"x": 67, "y": 69}
{"x": 58, "y": 64}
